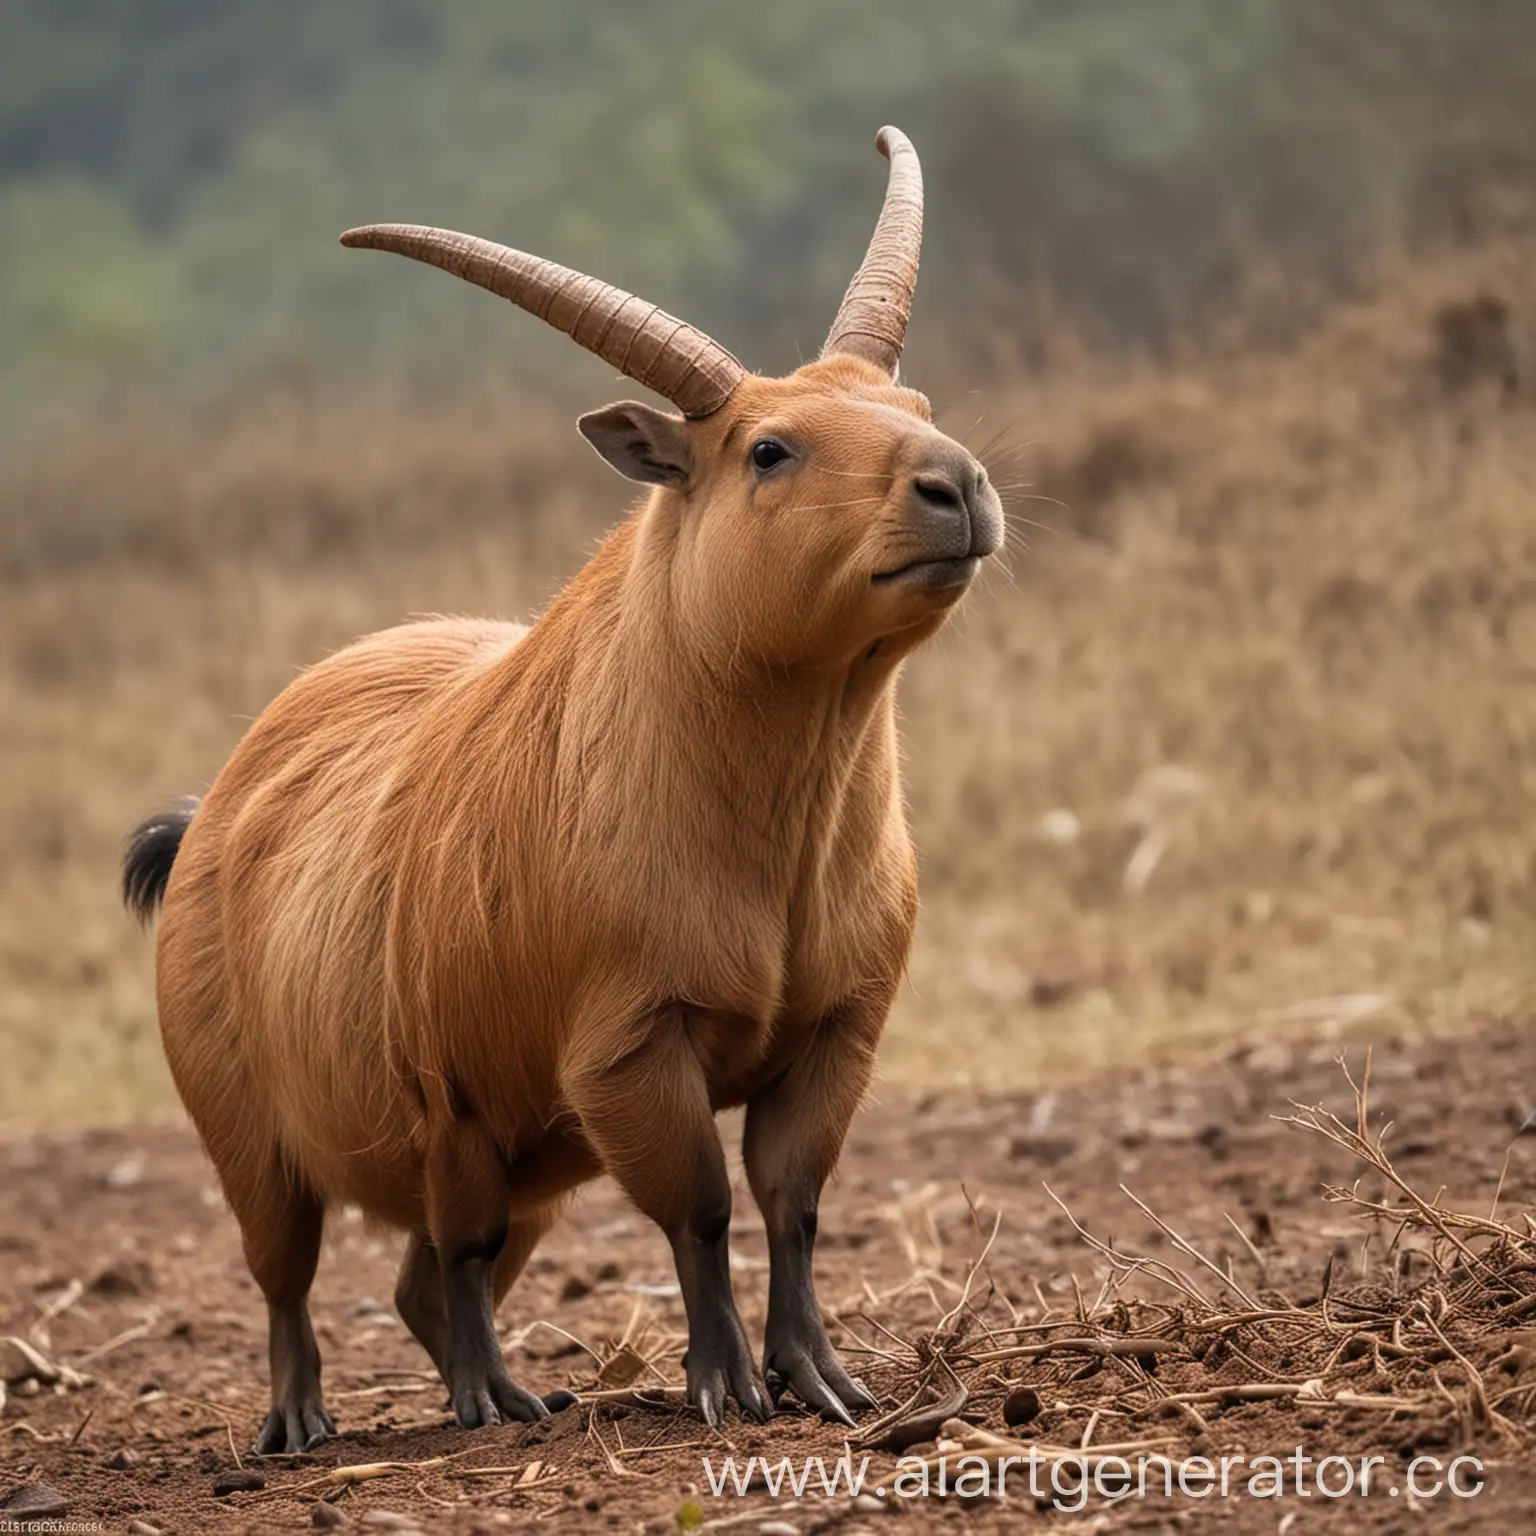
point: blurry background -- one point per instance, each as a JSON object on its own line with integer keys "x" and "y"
{"x": 1237, "y": 296}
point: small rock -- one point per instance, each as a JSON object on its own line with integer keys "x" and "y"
{"x": 1060, "y": 828}
{"x": 1047, "y": 990}
{"x": 126, "y": 1173}
{"x": 369, "y": 1306}
{"x": 32, "y": 1501}
{"x": 778, "y": 1528}
{"x": 123, "y": 1277}
{"x": 389, "y": 1520}
{"x": 575, "y": 1288}
{"x": 868, "y": 1504}
{"x": 326, "y": 1517}
{"x": 1033, "y": 1147}
{"x": 237, "y": 1482}
{"x": 143, "y": 1528}
{"x": 1020, "y": 1406}
{"x": 1267, "y": 1060}
{"x": 1169, "y": 1129}
{"x": 121, "y": 1459}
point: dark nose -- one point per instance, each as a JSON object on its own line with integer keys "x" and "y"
{"x": 939, "y": 491}
{"x": 953, "y": 505}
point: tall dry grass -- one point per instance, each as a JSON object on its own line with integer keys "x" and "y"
{"x": 1248, "y": 728}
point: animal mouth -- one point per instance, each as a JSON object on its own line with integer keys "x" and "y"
{"x": 934, "y": 575}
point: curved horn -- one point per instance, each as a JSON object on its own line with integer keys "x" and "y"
{"x": 643, "y": 342}
{"x": 872, "y": 322}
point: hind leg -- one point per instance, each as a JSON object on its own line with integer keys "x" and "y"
{"x": 469, "y": 1201}
{"x": 419, "y": 1300}
{"x": 281, "y": 1225}
{"x": 522, "y": 1238}
{"x": 419, "y": 1295}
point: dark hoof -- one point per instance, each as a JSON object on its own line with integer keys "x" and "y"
{"x": 497, "y": 1400}
{"x": 817, "y": 1378}
{"x": 711, "y": 1382}
{"x": 292, "y": 1430}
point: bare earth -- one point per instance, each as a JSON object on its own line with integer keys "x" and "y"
{"x": 117, "y": 1257}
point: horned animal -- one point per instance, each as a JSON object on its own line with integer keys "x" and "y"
{"x": 476, "y": 912}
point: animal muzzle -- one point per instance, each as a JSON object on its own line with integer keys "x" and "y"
{"x": 954, "y": 521}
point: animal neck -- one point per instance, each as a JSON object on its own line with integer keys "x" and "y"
{"x": 752, "y": 755}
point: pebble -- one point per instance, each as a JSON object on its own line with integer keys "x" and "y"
{"x": 1021, "y": 1405}
{"x": 778, "y": 1528}
{"x": 389, "y": 1520}
{"x": 126, "y": 1276}
{"x": 143, "y": 1528}
{"x": 127, "y": 1173}
{"x": 868, "y": 1504}
{"x": 120, "y": 1460}
{"x": 326, "y": 1517}
{"x": 1031, "y": 1146}
{"x": 237, "y": 1482}
{"x": 32, "y": 1501}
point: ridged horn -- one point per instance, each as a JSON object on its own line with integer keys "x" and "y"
{"x": 643, "y": 342}
{"x": 872, "y": 322}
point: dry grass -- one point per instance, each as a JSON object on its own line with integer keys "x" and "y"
{"x": 1246, "y": 738}
{"x": 1428, "y": 1344}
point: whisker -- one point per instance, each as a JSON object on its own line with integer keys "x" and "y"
{"x": 1010, "y": 518}
{"x": 998, "y": 436}
{"x": 965, "y": 441}
{"x": 853, "y": 474}
{"x": 1035, "y": 496}
{"x": 832, "y": 506}
{"x": 1004, "y": 570}
{"x": 1000, "y": 451}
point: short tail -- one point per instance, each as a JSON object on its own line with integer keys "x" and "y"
{"x": 151, "y": 851}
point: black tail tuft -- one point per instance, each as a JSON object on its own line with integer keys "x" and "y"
{"x": 151, "y": 852}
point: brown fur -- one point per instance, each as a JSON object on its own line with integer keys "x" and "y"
{"x": 475, "y": 912}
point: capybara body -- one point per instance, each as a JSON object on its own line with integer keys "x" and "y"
{"x": 477, "y": 911}
{"x": 355, "y": 946}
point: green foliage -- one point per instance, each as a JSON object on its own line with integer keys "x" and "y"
{"x": 173, "y": 173}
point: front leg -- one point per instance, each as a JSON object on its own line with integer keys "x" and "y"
{"x": 795, "y": 1130}
{"x": 648, "y": 1117}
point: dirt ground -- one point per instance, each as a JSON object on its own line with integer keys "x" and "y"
{"x": 118, "y": 1258}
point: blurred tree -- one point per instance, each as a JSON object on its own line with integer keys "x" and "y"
{"x": 173, "y": 174}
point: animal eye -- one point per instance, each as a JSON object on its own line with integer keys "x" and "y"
{"x": 766, "y": 452}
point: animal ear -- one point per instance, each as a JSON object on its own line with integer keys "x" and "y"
{"x": 641, "y": 443}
